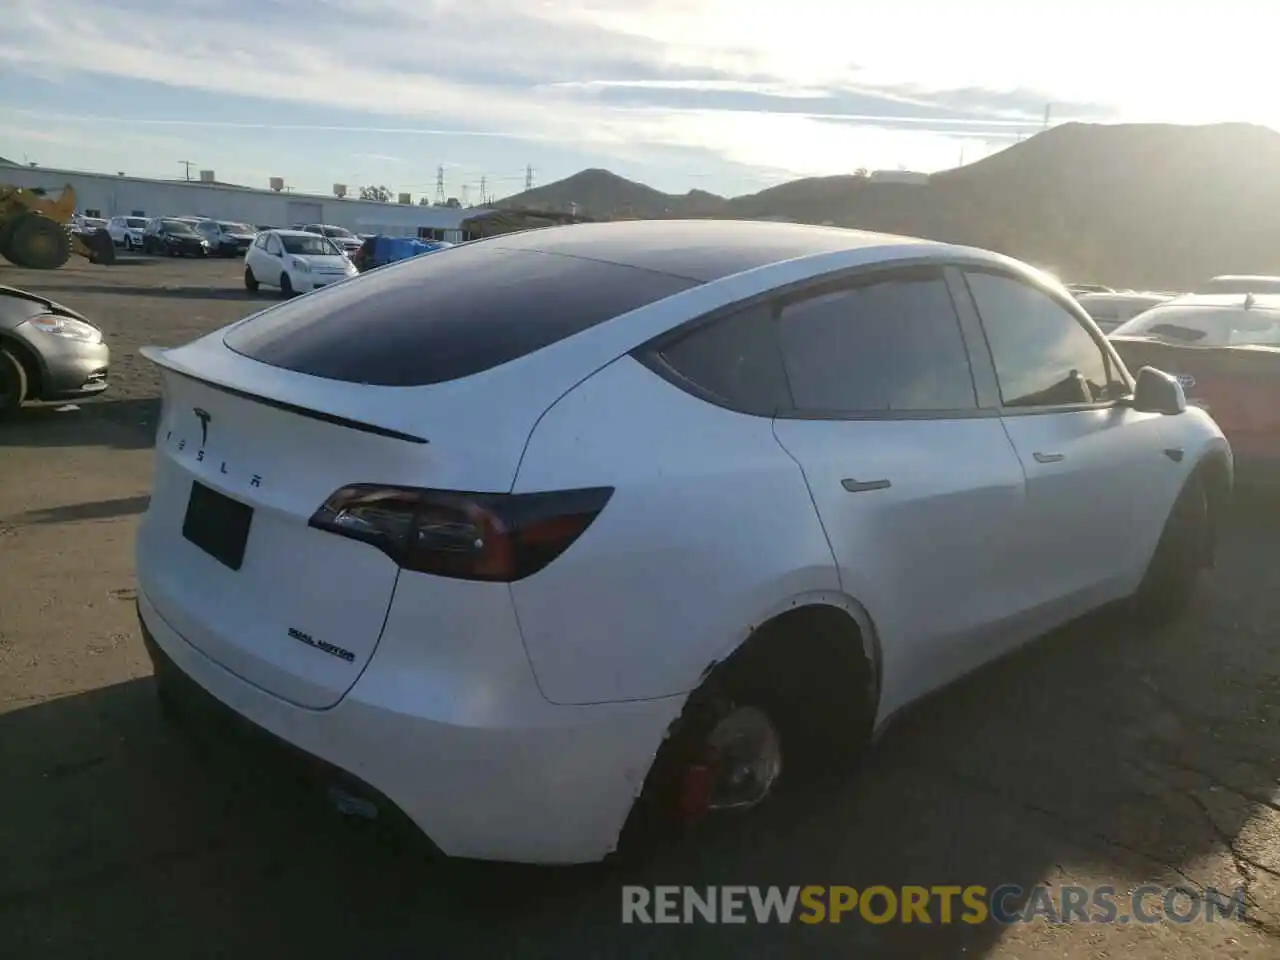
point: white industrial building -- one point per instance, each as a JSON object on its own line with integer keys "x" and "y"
{"x": 104, "y": 195}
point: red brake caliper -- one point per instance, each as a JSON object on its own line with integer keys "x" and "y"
{"x": 696, "y": 786}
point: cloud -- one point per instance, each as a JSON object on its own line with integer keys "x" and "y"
{"x": 800, "y": 87}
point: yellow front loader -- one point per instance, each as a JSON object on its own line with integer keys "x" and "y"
{"x": 35, "y": 230}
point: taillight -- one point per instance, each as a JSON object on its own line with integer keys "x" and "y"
{"x": 470, "y": 536}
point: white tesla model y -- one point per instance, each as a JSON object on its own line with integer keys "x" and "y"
{"x": 559, "y": 537}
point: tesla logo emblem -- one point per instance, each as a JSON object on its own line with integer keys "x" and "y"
{"x": 204, "y": 417}
{"x": 1186, "y": 380}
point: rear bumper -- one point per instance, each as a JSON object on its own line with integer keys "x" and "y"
{"x": 196, "y": 705}
{"x": 552, "y": 785}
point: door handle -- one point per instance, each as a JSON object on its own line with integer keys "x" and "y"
{"x": 861, "y": 486}
{"x": 1049, "y": 457}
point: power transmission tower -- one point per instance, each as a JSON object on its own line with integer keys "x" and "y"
{"x": 483, "y": 196}
{"x": 466, "y": 194}
{"x": 1048, "y": 110}
{"x": 187, "y": 164}
{"x": 528, "y": 177}
{"x": 440, "y": 184}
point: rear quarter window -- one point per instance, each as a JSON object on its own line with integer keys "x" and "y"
{"x": 450, "y": 315}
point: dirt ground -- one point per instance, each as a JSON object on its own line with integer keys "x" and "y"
{"x": 1103, "y": 755}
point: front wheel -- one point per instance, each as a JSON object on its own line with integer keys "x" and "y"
{"x": 250, "y": 281}
{"x": 286, "y": 286}
{"x": 1170, "y": 580}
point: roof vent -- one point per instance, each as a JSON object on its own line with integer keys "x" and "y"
{"x": 277, "y": 184}
{"x": 206, "y": 176}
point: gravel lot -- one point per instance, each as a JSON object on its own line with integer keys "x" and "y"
{"x": 1103, "y": 755}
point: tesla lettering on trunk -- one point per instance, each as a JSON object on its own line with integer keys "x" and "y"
{"x": 205, "y": 418}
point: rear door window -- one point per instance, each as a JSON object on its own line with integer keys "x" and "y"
{"x": 449, "y": 315}
{"x": 888, "y": 344}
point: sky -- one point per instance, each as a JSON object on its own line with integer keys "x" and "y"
{"x": 679, "y": 94}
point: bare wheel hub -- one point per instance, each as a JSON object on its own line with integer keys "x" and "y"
{"x": 748, "y": 759}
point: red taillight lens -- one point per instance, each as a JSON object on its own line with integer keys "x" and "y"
{"x": 471, "y": 536}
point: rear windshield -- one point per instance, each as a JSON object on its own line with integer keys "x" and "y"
{"x": 432, "y": 319}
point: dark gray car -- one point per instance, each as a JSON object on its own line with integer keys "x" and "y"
{"x": 47, "y": 351}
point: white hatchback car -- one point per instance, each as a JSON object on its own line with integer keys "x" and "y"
{"x": 560, "y": 537}
{"x": 294, "y": 261}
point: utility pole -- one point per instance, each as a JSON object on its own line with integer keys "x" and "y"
{"x": 440, "y": 184}
{"x": 528, "y": 176}
{"x": 483, "y": 195}
{"x": 187, "y": 164}
{"x": 1048, "y": 111}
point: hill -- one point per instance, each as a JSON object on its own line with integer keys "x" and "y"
{"x": 602, "y": 193}
{"x": 1146, "y": 205}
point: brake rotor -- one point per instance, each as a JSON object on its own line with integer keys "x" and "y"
{"x": 739, "y": 767}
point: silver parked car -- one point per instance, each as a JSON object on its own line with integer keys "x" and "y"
{"x": 47, "y": 351}
{"x": 1109, "y": 310}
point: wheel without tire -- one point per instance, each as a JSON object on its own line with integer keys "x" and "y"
{"x": 286, "y": 285}
{"x": 13, "y": 383}
{"x": 1170, "y": 580}
{"x": 250, "y": 281}
{"x": 798, "y": 697}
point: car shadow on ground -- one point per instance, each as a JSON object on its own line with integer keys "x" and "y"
{"x": 1104, "y": 754}
{"x": 133, "y": 260}
{"x": 93, "y": 510}
{"x": 128, "y": 424}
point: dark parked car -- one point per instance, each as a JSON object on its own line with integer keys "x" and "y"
{"x": 174, "y": 238}
{"x": 47, "y": 351}
{"x": 227, "y": 238}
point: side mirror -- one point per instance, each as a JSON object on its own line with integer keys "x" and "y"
{"x": 1158, "y": 392}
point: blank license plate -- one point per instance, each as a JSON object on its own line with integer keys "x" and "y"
{"x": 217, "y": 524}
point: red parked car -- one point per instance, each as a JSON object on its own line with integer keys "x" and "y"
{"x": 1225, "y": 350}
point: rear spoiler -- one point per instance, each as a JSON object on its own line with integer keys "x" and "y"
{"x": 158, "y": 356}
